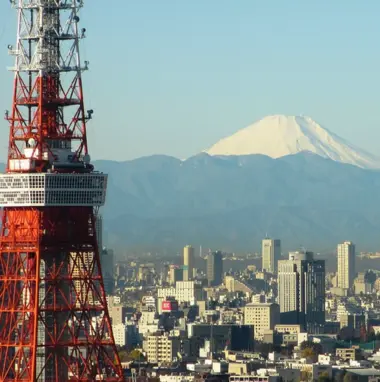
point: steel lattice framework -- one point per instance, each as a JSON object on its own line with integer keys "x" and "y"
{"x": 54, "y": 321}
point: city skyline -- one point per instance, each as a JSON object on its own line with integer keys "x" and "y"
{"x": 253, "y": 314}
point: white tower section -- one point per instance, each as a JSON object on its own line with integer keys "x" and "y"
{"x": 48, "y": 44}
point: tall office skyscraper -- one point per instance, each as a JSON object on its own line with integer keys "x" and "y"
{"x": 214, "y": 268}
{"x": 188, "y": 263}
{"x": 271, "y": 254}
{"x": 301, "y": 291}
{"x": 175, "y": 274}
{"x": 346, "y": 264}
{"x": 106, "y": 257}
{"x": 107, "y": 264}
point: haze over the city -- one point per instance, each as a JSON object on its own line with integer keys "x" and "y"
{"x": 175, "y": 76}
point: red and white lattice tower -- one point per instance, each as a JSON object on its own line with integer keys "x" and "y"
{"x": 54, "y": 321}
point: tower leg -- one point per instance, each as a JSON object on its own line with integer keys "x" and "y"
{"x": 19, "y": 259}
{"x": 53, "y": 312}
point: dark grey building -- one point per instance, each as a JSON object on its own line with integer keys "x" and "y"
{"x": 230, "y": 336}
{"x": 314, "y": 272}
{"x": 215, "y": 268}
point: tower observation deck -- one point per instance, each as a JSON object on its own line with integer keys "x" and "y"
{"x": 54, "y": 321}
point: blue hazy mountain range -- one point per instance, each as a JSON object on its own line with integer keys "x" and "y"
{"x": 232, "y": 202}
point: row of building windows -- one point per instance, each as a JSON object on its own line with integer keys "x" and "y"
{"x": 54, "y": 181}
{"x": 76, "y": 181}
{"x": 7, "y": 182}
{"x": 74, "y": 197}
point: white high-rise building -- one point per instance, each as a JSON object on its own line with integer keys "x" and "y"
{"x": 188, "y": 263}
{"x": 271, "y": 254}
{"x": 346, "y": 264}
{"x": 106, "y": 257}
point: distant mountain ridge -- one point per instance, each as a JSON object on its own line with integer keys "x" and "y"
{"x": 231, "y": 202}
{"x": 279, "y": 135}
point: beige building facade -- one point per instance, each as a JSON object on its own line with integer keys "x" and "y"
{"x": 262, "y": 317}
{"x": 188, "y": 263}
{"x": 346, "y": 264}
{"x": 271, "y": 254}
{"x": 161, "y": 348}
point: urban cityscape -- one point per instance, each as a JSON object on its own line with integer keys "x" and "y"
{"x": 81, "y": 297}
{"x": 288, "y": 319}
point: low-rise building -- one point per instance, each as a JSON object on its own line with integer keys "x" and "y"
{"x": 126, "y": 334}
{"x": 148, "y": 322}
{"x": 184, "y": 291}
{"x": 289, "y": 339}
{"x": 177, "y": 378}
{"x": 361, "y": 285}
{"x": 255, "y": 378}
{"x": 291, "y": 329}
{"x": 231, "y": 336}
{"x": 166, "y": 292}
{"x": 348, "y": 354}
{"x": 189, "y": 291}
{"x": 161, "y": 348}
{"x": 364, "y": 375}
{"x": 262, "y": 317}
{"x": 321, "y": 370}
{"x": 239, "y": 368}
{"x": 233, "y": 285}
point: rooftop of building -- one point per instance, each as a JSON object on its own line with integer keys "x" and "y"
{"x": 261, "y": 304}
{"x": 365, "y": 372}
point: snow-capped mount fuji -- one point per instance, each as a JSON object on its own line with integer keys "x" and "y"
{"x": 279, "y": 135}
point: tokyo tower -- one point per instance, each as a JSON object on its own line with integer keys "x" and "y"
{"x": 54, "y": 321}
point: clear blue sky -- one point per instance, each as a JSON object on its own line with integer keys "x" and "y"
{"x": 174, "y": 76}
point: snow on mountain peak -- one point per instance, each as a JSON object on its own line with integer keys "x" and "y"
{"x": 279, "y": 135}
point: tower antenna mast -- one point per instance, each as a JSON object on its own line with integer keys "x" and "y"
{"x": 54, "y": 320}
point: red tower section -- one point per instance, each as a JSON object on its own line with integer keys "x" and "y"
{"x": 54, "y": 321}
